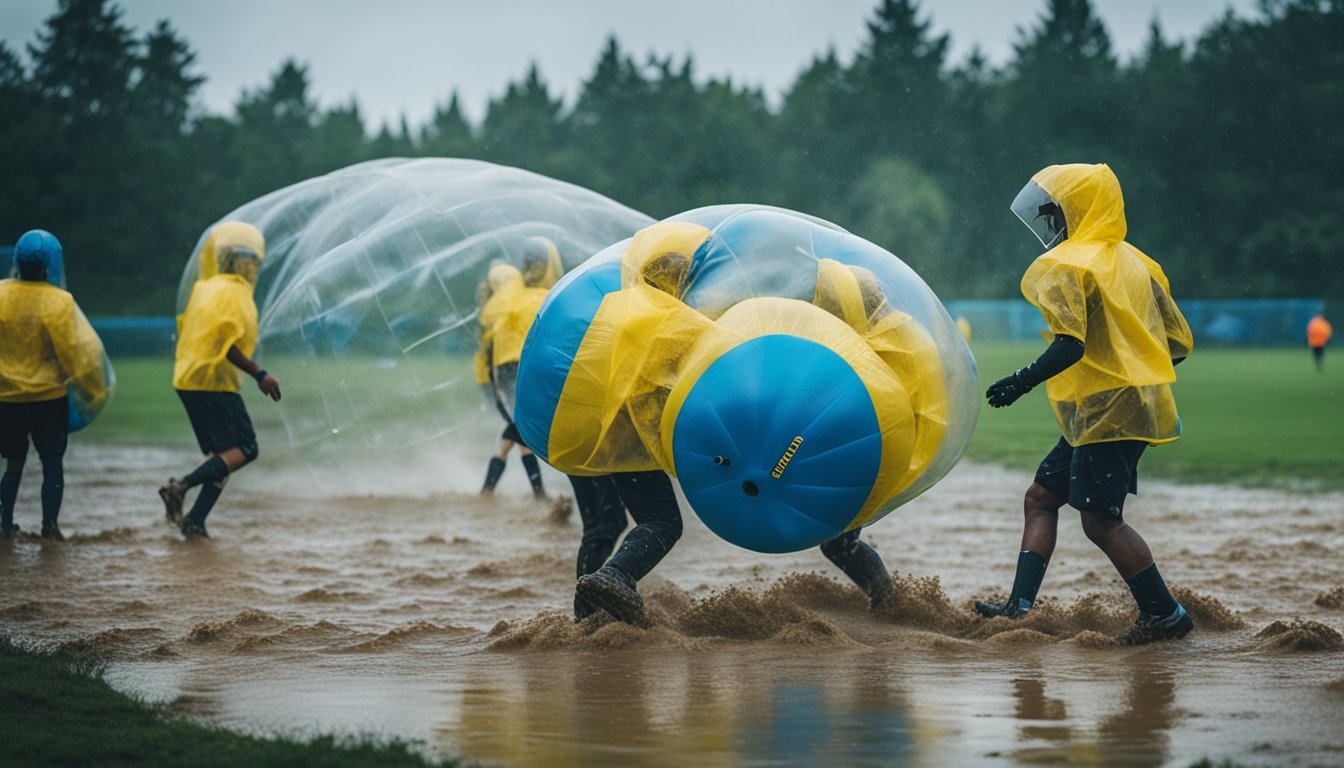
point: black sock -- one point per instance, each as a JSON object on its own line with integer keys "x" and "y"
{"x": 1027, "y": 582}
{"x": 492, "y": 474}
{"x": 9, "y": 492}
{"x": 1151, "y": 593}
{"x": 533, "y": 473}
{"x": 212, "y": 470}
{"x": 53, "y": 490}
{"x": 205, "y": 501}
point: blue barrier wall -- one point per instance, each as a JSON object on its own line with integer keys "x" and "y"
{"x": 137, "y": 336}
{"x": 1218, "y": 322}
{"x": 1223, "y": 322}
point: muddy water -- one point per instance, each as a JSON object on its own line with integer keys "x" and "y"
{"x": 444, "y": 619}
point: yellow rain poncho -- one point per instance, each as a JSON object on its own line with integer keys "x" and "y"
{"x": 221, "y": 313}
{"x": 506, "y": 317}
{"x": 645, "y": 349}
{"x": 1103, "y": 291}
{"x": 46, "y": 344}
{"x": 854, "y": 295}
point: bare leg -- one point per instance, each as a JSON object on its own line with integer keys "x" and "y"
{"x": 1040, "y": 510}
{"x": 1127, "y": 550}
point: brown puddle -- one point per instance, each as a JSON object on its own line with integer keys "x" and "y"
{"x": 444, "y": 618}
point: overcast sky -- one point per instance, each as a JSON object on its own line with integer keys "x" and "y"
{"x": 400, "y": 57}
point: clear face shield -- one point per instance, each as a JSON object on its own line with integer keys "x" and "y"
{"x": 239, "y": 260}
{"x": 1041, "y": 214}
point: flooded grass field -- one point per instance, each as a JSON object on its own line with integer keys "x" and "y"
{"x": 444, "y": 618}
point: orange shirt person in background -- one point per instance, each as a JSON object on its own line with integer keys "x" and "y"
{"x": 1318, "y": 333}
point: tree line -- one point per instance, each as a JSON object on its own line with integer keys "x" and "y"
{"x": 1228, "y": 147}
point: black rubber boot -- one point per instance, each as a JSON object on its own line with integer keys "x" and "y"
{"x": 611, "y": 590}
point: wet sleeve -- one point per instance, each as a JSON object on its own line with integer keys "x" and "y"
{"x": 1061, "y": 295}
{"x": 481, "y": 360}
{"x": 80, "y": 353}
{"x": 1180, "y": 340}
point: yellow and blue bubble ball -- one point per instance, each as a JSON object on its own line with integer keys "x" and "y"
{"x": 786, "y": 424}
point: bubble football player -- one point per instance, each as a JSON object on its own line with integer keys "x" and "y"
{"x": 648, "y": 494}
{"x": 511, "y": 300}
{"x": 216, "y": 337}
{"x": 49, "y": 352}
{"x": 1117, "y": 336}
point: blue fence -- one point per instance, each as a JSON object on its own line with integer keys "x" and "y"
{"x": 1232, "y": 322}
{"x": 1219, "y": 322}
{"x": 137, "y": 336}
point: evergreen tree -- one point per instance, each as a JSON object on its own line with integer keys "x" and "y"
{"x": 448, "y": 133}
{"x": 898, "y": 80}
{"x": 522, "y": 128}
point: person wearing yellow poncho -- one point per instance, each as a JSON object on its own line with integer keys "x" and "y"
{"x": 1117, "y": 335}
{"x": 48, "y": 345}
{"x": 216, "y": 337}
{"x": 509, "y": 300}
{"x": 646, "y": 347}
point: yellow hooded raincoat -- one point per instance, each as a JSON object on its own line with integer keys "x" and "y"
{"x": 1108, "y": 294}
{"x": 221, "y": 313}
{"x": 47, "y": 344}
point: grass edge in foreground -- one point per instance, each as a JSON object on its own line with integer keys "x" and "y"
{"x": 59, "y": 711}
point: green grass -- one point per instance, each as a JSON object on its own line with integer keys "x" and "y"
{"x": 58, "y": 711}
{"x": 144, "y": 408}
{"x": 1255, "y": 417}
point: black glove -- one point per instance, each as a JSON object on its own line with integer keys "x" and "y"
{"x": 1005, "y": 391}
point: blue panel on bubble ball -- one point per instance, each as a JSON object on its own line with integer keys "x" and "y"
{"x": 550, "y": 348}
{"x": 766, "y": 399}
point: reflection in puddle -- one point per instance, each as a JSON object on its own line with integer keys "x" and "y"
{"x": 440, "y": 620}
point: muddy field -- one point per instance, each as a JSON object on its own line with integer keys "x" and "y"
{"x": 444, "y": 618}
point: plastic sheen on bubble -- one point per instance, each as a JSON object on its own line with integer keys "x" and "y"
{"x": 799, "y": 381}
{"x": 368, "y": 303}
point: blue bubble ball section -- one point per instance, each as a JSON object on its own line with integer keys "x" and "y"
{"x": 777, "y": 444}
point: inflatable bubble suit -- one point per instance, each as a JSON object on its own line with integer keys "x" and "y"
{"x": 798, "y": 380}
{"x": 367, "y": 302}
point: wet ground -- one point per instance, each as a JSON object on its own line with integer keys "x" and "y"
{"x": 443, "y": 618}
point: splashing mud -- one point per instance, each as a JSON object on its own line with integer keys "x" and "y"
{"x": 447, "y": 619}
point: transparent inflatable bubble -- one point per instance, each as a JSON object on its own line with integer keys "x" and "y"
{"x": 368, "y": 302}
{"x": 798, "y": 380}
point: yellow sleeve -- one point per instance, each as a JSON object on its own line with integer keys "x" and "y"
{"x": 1180, "y": 339}
{"x": 481, "y": 360}
{"x": 1060, "y": 293}
{"x": 80, "y": 353}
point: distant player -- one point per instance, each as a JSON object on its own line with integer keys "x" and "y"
{"x": 509, "y": 302}
{"x": 216, "y": 337}
{"x": 1117, "y": 335}
{"x": 46, "y": 345}
{"x": 1319, "y": 332}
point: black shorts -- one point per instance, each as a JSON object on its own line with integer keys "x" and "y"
{"x": 219, "y": 420}
{"x": 47, "y": 422}
{"x": 1094, "y": 477}
{"x": 511, "y": 433}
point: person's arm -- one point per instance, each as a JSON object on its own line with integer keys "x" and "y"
{"x": 80, "y": 354}
{"x": 1062, "y": 353}
{"x": 265, "y": 381}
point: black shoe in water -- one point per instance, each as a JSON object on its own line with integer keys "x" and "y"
{"x": 610, "y": 590}
{"x": 172, "y": 495}
{"x": 194, "y": 530}
{"x": 1011, "y": 609}
{"x": 52, "y": 531}
{"x": 1153, "y": 629}
{"x": 9, "y": 531}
